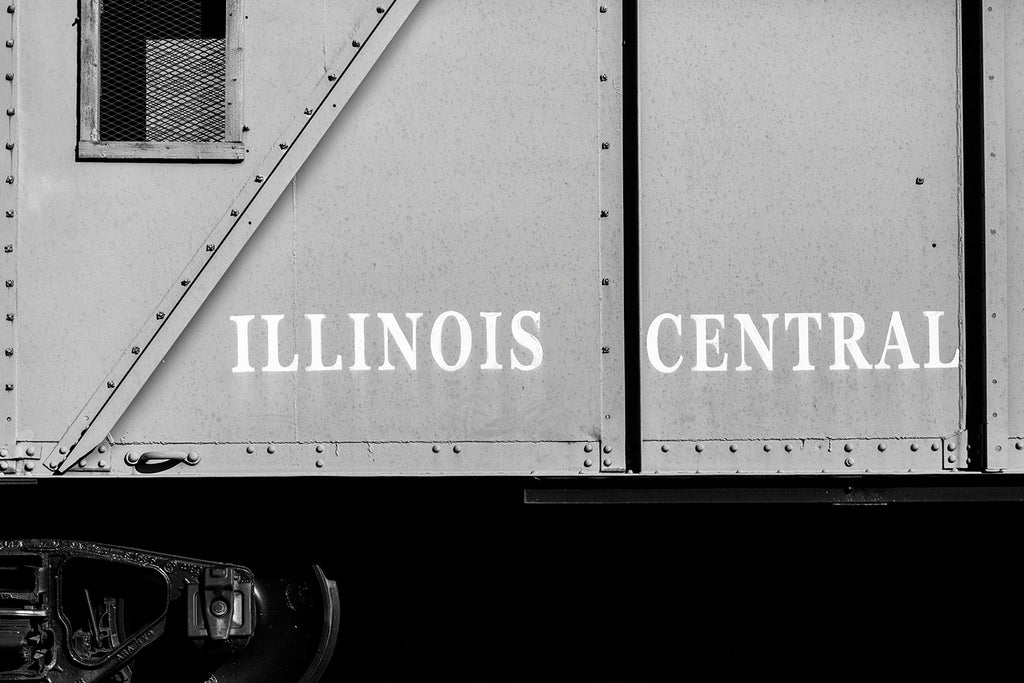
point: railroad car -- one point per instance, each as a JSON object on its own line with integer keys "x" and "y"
{"x": 583, "y": 241}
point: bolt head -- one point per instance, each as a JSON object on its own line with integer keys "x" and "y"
{"x": 849, "y": 462}
{"x": 131, "y": 458}
{"x": 193, "y": 457}
{"x": 218, "y": 608}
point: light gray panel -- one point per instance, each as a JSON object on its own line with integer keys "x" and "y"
{"x": 462, "y": 176}
{"x": 800, "y": 157}
{"x": 105, "y": 240}
{"x": 1014, "y": 197}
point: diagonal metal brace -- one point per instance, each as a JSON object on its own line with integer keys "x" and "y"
{"x": 257, "y": 197}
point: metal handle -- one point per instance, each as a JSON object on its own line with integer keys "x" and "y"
{"x": 190, "y": 458}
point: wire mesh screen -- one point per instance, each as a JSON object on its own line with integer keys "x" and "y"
{"x": 162, "y": 70}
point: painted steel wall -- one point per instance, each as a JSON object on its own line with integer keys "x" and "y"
{"x": 800, "y": 157}
{"x": 465, "y": 175}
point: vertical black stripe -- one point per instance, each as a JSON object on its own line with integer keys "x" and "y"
{"x": 631, "y": 231}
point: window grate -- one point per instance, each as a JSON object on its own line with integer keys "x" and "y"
{"x": 162, "y": 70}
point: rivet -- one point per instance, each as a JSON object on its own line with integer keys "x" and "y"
{"x": 605, "y": 349}
{"x": 102, "y": 464}
{"x": 848, "y": 447}
{"x": 881, "y": 447}
{"x": 605, "y": 281}
{"x": 604, "y": 214}
{"x": 186, "y": 283}
{"x": 82, "y": 463}
{"x": 356, "y": 43}
{"x": 998, "y": 448}
{"x": 950, "y": 446}
{"x": 319, "y": 448}
{"x": 913, "y": 447}
{"x": 29, "y": 466}
{"x": 604, "y": 9}
{"x": 3, "y": 466}
{"x": 767, "y": 448}
{"x": 732, "y": 448}
{"x": 607, "y": 449}
{"x": 271, "y": 448}
{"x": 136, "y": 350}
{"x": 588, "y": 448}
{"x": 250, "y": 450}
{"x": 160, "y": 315}
{"x": 319, "y": 463}
{"x": 935, "y": 446}
{"x": 51, "y": 465}
{"x": 699, "y": 448}
{"x": 30, "y": 451}
{"x": 9, "y": 76}
{"x": 435, "y": 448}
{"x": 63, "y": 450}
{"x": 9, "y": 283}
{"x": 103, "y": 449}
{"x": 10, "y": 9}
{"x": 10, "y": 112}
{"x": 211, "y": 247}
{"x": 849, "y": 462}
{"x": 10, "y": 43}
{"x": 258, "y": 179}
{"x": 789, "y": 449}
{"x": 4, "y": 452}
{"x": 604, "y": 77}
{"x": 8, "y": 351}
{"x": 1018, "y": 445}
{"x": 456, "y": 449}
{"x": 605, "y": 145}
{"x": 919, "y": 181}
{"x": 951, "y": 459}
{"x": 588, "y": 463}
{"x": 607, "y": 462}
{"x": 664, "y": 448}
{"x": 9, "y": 146}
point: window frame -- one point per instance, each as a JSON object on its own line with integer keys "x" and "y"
{"x": 90, "y": 147}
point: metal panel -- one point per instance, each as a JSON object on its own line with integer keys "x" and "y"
{"x": 1004, "y": 218}
{"x": 479, "y": 192}
{"x": 801, "y": 157}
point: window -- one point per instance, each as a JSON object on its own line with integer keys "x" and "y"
{"x": 160, "y": 79}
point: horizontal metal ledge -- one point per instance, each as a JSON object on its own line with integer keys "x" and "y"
{"x": 91, "y": 150}
{"x": 881, "y": 490}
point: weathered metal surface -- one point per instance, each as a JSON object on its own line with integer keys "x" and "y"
{"x": 239, "y": 221}
{"x": 443, "y": 188}
{"x": 800, "y": 157}
{"x": 9, "y": 211}
{"x": 1004, "y": 222}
